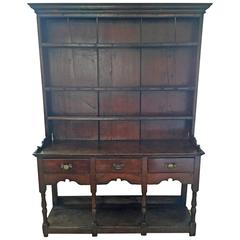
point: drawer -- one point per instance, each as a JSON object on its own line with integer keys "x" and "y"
{"x": 170, "y": 164}
{"x": 66, "y": 166}
{"x": 118, "y": 165}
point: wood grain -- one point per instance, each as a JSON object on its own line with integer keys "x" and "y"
{"x": 120, "y": 91}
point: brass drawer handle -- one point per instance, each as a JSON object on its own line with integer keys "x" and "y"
{"x": 171, "y": 165}
{"x": 66, "y": 166}
{"x": 118, "y": 166}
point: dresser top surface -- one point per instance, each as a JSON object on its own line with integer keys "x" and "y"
{"x": 120, "y": 148}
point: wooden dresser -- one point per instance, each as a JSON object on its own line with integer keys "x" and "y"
{"x": 119, "y": 88}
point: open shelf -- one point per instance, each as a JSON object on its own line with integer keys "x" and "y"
{"x": 118, "y": 213}
{"x": 119, "y": 45}
{"x": 154, "y": 88}
{"x": 119, "y": 30}
{"x": 117, "y": 118}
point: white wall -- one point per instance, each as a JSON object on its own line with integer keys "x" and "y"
{"x": 217, "y": 127}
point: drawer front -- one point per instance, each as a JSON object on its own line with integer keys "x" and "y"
{"x": 118, "y": 165}
{"x": 66, "y": 166}
{"x": 171, "y": 165}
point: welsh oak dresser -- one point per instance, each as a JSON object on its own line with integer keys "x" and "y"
{"x": 119, "y": 86}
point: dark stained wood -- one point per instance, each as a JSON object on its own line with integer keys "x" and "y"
{"x": 120, "y": 9}
{"x": 166, "y": 103}
{"x": 66, "y": 166}
{"x": 118, "y": 165}
{"x": 43, "y": 78}
{"x": 119, "y": 30}
{"x": 119, "y": 67}
{"x": 93, "y": 192}
{"x": 71, "y": 67}
{"x": 44, "y": 212}
{"x": 168, "y": 66}
{"x": 119, "y": 117}
{"x": 134, "y": 89}
{"x": 184, "y": 194}
{"x": 171, "y": 165}
{"x": 117, "y": 148}
{"x": 121, "y": 214}
{"x": 84, "y": 130}
{"x": 156, "y": 178}
{"x": 53, "y": 178}
{"x": 119, "y": 103}
{"x": 193, "y": 214}
{"x": 74, "y": 103}
{"x": 144, "y": 196}
{"x": 158, "y": 30}
{"x": 133, "y": 178}
{"x": 165, "y": 129}
{"x": 54, "y": 194}
{"x": 85, "y": 201}
{"x": 197, "y": 71}
{"x": 195, "y": 188}
{"x": 119, "y": 130}
{"x": 69, "y": 30}
{"x": 187, "y": 29}
{"x": 119, "y": 86}
{"x": 119, "y": 45}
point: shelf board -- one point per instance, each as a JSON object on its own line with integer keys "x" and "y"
{"x": 118, "y": 45}
{"x": 118, "y": 214}
{"x": 161, "y": 88}
{"x": 118, "y": 118}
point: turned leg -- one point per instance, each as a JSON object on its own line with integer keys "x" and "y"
{"x": 54, "y": 194}
{"x": 192, "y": 231}
{"x": 143, "y": 225}
{"x": 183, "y": 194}
{"x": 44, "y": 212}
{"x": 144, "y": 196}
{"x": 195, "y": 188}
{"x": 93, "y": 191}
{"x": 94, "y": 224}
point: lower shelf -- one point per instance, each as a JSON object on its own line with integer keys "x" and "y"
{"x": 118, "y": 214}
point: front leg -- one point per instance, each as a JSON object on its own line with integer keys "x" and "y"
{"x": 144, "y": 196}
{"x": 93, "y": 191}
{"x": 192, "y": 225}
{"x": 44, "y": 212}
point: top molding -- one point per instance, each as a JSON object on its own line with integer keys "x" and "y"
{"x": 119, "y": 9}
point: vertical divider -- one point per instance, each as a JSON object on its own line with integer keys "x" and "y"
{"x": 174, "y": 49}
{"x": 140, "y": 74}
{"x": 69, "y": 30}
{"x": 98, "y": 83}
{"x": 175, "y": 29}
{"x": 72, "y": 50}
